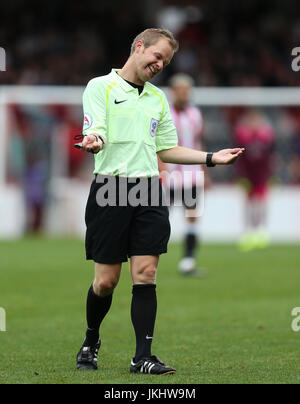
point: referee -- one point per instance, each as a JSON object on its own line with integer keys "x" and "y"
{"x": 126, "y": 122}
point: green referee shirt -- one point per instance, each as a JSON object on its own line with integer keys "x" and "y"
{"x": 134, "y": 126}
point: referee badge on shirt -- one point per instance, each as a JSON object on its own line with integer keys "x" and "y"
{"x": 87, "y": 121}
{"x": 153, "y": 127}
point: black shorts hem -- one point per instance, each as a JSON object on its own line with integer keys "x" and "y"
{"x": 108, "y": 261}
{"x": 143, "y": 252}
{"x": 101, "y": 260}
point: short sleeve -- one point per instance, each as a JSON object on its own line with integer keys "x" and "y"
{"x": 166, "y": 136}
{"x": 94, "y": 109}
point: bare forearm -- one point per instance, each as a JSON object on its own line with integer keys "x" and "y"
{"x": 182, "y": 155}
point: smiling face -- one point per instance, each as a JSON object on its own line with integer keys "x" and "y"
{"x": 150, "y": 61}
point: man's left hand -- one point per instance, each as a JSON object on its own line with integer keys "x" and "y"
{"x": 227, "y": 156}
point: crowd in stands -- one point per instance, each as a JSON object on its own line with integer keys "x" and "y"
{"x": 67, "y": 43}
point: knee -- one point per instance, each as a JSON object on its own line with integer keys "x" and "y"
{"x": 104, "y": 286}
{"x": 147, "y": 273}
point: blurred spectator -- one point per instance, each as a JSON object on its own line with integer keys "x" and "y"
{"x": 185, "y": 181}
{"x": 255, "y": 133}
{"x": 35, "y": 188}
{"x": 294, "y": 163}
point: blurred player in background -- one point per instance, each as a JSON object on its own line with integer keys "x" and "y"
{"x": 188, "y": 121}
{"x": 293, "y": 114}
{"x": 255, "y": 133}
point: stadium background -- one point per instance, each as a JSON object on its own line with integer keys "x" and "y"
{"x": 222, "y": 45}
{"x": 51, "y": 53}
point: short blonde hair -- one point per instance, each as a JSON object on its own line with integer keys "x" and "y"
{"x": 151, "y": 35}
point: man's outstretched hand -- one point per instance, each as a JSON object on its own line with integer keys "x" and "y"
{"x": 227, "y": 156}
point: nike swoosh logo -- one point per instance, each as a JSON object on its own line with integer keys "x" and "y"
{"x": 119, "y": 102}
{"x": 148, "y": 337}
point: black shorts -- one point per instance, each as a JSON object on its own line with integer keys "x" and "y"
{"x": 115, "y": 233}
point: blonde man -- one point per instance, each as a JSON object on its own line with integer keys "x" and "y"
{"x": 127, "y": 122}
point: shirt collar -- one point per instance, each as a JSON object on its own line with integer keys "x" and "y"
{"x": 123, "y": 83}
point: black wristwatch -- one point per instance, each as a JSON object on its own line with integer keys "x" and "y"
{"x": 101, "y": 138}
{"x": 209, "y": 162}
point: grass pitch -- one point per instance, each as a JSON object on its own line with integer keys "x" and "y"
{"x": 233, "y": 326}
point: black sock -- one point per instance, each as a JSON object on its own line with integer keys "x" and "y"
{"x": 96, "y": 309}
{"x": 143, "y": 314}
{"x": 190, "y": 244}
